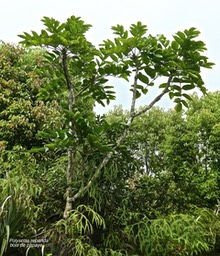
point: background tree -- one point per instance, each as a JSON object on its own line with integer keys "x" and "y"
{"x": 22, "y": 114}
{"x": 178, "y": 182}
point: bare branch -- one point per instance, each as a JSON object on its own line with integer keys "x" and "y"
{"x": 134, "y": 95}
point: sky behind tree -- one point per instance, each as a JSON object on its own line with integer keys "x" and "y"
{"x": 161, "y": 16}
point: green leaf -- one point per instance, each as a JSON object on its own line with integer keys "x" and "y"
{"x": 175, "y": 45}
{"x": 138, "y": 94}
{"x": 143, "y": 89}
{"x": 185, "y": 103}
{"x": 117, "y": 42}
{"x": 171, "y": 95}
{"x": 50, "y": 146}
{"x": 188, "y": 87}
{"x": 37, "y": 150}
{"x": 138, "y": 29}
{"x": 150, "y": 71}
{"x": 194, "y": 75}
{"x": 159, "y": 56}
{"x": 113, "y": 57}
{"x": 164, "y": 85}
{"x": 178, "y": 39}
{"x": 176, "y": 87}
{"x": 192, "y": 32}
{"x": 143, "y": 78}
{"x": 181, "y": 35}
{"x": 187, "y": 96}
{"x": 177, "y": 100}
{"x": 119, "y": 30}
{"x": 209, "y": 64}
{"x": 178, "y": 107}
{"x": 203, "y": 89}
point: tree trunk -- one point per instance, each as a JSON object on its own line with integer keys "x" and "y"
{"x": 70, "y": 152}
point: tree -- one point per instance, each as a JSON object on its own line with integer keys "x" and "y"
{"x": 177, "y": 148}
{"x": 181, "y": 178}
{"x": 77, "y": 75}
{"x": 147, "y": 58}
{"x": 21, "y": 113}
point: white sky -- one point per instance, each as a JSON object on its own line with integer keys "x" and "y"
{"x": 161, "y": 16}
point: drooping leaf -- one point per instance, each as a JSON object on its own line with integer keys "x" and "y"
{"x": 178, "y": 107}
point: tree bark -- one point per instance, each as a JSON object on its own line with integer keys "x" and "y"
{"x": 70, "y": 152}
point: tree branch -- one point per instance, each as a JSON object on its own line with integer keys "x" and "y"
{"x": 134, "y": 95}
{"x": 70, "y": 151}
{"x": 71, "y": 99}
{"x": 118, "y": 142}
{"x": 105, "y": 161}
{"x": 124, "y": 134}
{"x": 155, "y": 100}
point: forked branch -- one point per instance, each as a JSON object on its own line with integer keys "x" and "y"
{"x": 132, "y": 115}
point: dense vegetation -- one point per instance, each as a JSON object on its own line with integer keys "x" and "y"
{"x": 143, "y": 181}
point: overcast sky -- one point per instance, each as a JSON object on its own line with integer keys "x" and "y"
{"x": 161, "y": 16}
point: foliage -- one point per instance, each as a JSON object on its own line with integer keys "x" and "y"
{"x": 176, "y": 234}
{"x": 22, "y": 114}
{"x": 175, "y": 176}
{"x": 72, "y": 236}
{"x": 137, "y": 182}
{"x": 151, "y": 57}
{"x": 19, "y": 213}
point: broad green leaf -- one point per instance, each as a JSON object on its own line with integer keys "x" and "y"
{"x": 171, "y": 95}
{"x": 188, "y": 87}
{"x": 175, "y": 45}
{"x": 181, "y": 35}
{"x": 176, "y": 87}
{"x": 145, "y": 90}
{"x": 143, "y": 78}
{"x": 178, "y": 107}
{"x": 187, "y": 96}
{"x": 164, "y": 85}
{"x": 184, "y": 103}
{"x": 150, "y": 71}
{"x": 178, "y": 39}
